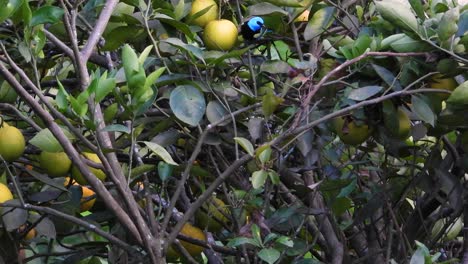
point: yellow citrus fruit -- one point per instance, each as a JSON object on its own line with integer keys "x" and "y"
{"x": 76, "y": 174}
{"x": 86, "y": 204}
{"x": 352, "y": 134}
{"x": 31, "y": 233}
{"x": 220, "y": 35}
{"x": 194, "y": 250}
{"x": 216, "y": 212}
{"x": 210, "y": 15}
{"x": 439, "y": 82}
{"x": 303, "y": 17}
{"x": 12, "y": 142}
{"x": 5, "y": 193}
{"x": 55, "y": 164}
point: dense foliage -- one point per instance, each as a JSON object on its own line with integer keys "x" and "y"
{"x": 150, "y": 132}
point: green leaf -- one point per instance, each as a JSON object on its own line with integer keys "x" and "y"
{"x": 144, "y": 55}
{"x": 286, "y": 241}
{"x": 23, "y": 14}
{"x": 407, "y": 44}
{"x": 161, "y": 152}
{"x": 164, "y": 170}
{"x": 245, "y": 144}
{"x": 215, "y": 111}
{"x": 275, "y": 66}
{"x": 117, "y": 128}
{"x": 418, "y": 8}
{"x": 104, "y": 88}
{"x": 12, "y": 218}
{"x": 448, "y": 25}
{"x": 274, "y": 177}
{"x": 188, "y": 104}
{"x": 264, "y": 8}
{"x": 120, "y": 35}
{"x": 46, "y": 141}
{"x": 269, "y": 104}
{"x": 258, "y": 179}
{"x": 220, "y": 58}
{"x": 319, "y": 22}
{"x": 423, "y": 110}
{"x": 195, "y": 51}
{"x": 348, "y": 189}
{"x": 363, "y": 93}
{"x": 182, "y": 27}
{"x": 46, "y": 14}
{"x": 62, "y": 97}
{"x": 130, "y": 61}
{"x": 265, "y": 155}
{"x": 8, "y": 8}
{"x": 286, "y": 3}
{"x": 459, "y": 96}
{"x": 388, "y": 77}
{"x": 269, "y": 255}
{"x": 256, "y": 233}
{"x": 238, "y": 241}
{"x": 397, "y": 14}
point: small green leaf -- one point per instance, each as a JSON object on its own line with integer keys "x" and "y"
{"x": 161, "y": 152}
{"x": 274, "y": 177}
{"x": 46, "y": 141}
{"x": 363, "y": 93}
{"x": 245, "y": 144}
{"x": 61, "y": 98}
{"x": 265, "y": 8}
{"x": 164, "y": 170}
{"x": 269, "y": 103}
{"x": 418, "y": 8}
{"x": 423, "y": 110}
{"x": 265, "y": 155}
{"x": 459, "y": 96}
{"x": 258, "y": 179}
{"x": 104, "y": 88}
{"x": 9, "y": 7}
{"x": 46, "y": 14}
{"x": 144, "y": 55}
{"x": 319, "y": 22}
{"x": 448, "y": 25}
{"x": 215, "y": 111}
{"x": 388, "y": 77}
{"x": 407, "y": 44}
{"x": 238, "y": 241}
{"x": 269, "y": 255}
{"x": 188, "y": 104}
{"x": 284, "y": 240}
{"x": 117, "y": 128}
{"x": 275, "y": 66}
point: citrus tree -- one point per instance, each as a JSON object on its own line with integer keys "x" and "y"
{"x": 279, "y": 131}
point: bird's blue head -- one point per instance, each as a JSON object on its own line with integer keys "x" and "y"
{"x": 255, "y": 23}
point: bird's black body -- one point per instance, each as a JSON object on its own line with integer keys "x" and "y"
{"x": 248, "y": 33}
{"x": 251, "y": 27}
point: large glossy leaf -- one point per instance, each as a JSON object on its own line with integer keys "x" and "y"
{"x": 397, "y": 14}
{"x": 215, "y": 112}
{"x": 245, "y": 144}
{"x": 13, "y": 217}
{"x": 46, "y": 14}
{"x": 258, "y": 179}
{"x": 176, "y": 24}
{"x": 388, "y": 77}
{"x": 265, "y": 8}
{"x": 161, "y": 152}
{"x": 188, "y": 104}
{"x": 407, "y": 44}
{"x": 319, "y": 22}
{"x": 363, "y": 93}
{"x": 269, "y": 255}
{"x": 423, "y": 110}
{"x": 46, "y": 141}
{"x": 8, "y": 8}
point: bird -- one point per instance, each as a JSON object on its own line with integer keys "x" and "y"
{"x": 252, "y": 27}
